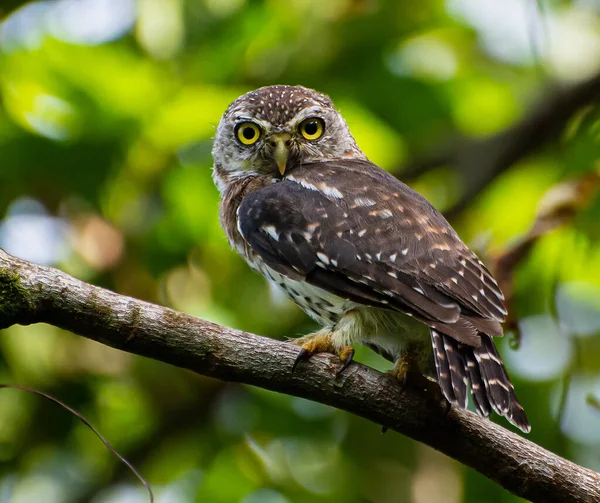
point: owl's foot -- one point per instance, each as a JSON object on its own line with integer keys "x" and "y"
{"x": 321, "y": 342}
{"x": 408, "y": 374}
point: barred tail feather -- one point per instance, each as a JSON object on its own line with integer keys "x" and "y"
{"x": 451, "y": 369}
{"x": 459, "y": 365}
{"x": 478, "y": 390}
{"x": 442, "y": 367}
{"x": 499, "y": 389}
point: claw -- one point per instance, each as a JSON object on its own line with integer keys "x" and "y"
{"x": 384, "y": 429}
{"x": 303, "y": 355}
{"x": 346, "y": 355}
{"x": 404, "y": 382}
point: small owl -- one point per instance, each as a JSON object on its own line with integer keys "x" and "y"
{"x": 369, "y": 259}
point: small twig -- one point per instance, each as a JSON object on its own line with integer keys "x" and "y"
{"x": 479, "y": 162}
{"x": 85, "y": 421}
{"x": 558, "y": 207}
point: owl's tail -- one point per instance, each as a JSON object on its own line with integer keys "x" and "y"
{"x": 459, "y": 365}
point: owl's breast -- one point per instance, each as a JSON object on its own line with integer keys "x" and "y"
{"x": 324, "y": 307}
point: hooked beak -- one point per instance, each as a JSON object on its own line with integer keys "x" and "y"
{"x": 282, "y": 150}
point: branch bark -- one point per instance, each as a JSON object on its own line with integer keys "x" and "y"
{"x": 32, "y": 294}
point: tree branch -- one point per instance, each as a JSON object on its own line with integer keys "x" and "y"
{"x": 31, "y": 294}
{"x": 479, "y": 162}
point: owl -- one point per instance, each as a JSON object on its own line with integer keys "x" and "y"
{"x": 364, "y": 255}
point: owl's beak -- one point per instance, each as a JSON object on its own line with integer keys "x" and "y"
{"x": 281, "y": 142}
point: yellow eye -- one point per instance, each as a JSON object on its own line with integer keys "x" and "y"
{"x": 247, "y": 132}
{"x": 312, "y": 128}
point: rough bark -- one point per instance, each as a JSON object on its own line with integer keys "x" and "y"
{"x": 32, "y": 294}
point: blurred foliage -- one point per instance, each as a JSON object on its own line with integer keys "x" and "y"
{"x": 106, "y": 115}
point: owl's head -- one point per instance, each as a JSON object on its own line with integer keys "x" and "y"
{"x": 269, "y": 131}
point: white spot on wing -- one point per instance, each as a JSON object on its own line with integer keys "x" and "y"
{"x": 312, "y": 227}
{"x": 271, "y": 231}
{"x": 404, "y": 251}
{"x": 323, "y": 258}
{"x": 364, "y": 201}
{"x": 362, "y": 233}
{"x": 386, "y": 214}
{"x": 304, "y": 183}
{"x": 331, "y": 191}
{"x": 393, "y": 257}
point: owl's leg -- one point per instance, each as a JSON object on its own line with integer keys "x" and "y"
{"x": 322, "y": 342}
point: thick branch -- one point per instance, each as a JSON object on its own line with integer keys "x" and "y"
{"x": 31, "y": 294}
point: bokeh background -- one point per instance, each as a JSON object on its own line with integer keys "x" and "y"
{"x": 107, "y": 108}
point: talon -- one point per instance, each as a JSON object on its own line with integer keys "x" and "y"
{"x": 384, "y": 430}
{"x": 346, "y": 355}
{"x": 404, "y": 381}
{"x": 304, "y": 354}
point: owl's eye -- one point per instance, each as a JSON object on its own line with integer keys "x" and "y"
{"x": 247, "y": 133}
{"x": 312, "y": 128}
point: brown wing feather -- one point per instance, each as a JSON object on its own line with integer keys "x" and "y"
{"x": 353, "y": 229}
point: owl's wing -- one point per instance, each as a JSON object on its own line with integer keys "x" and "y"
{"x": 354, "y": 230}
